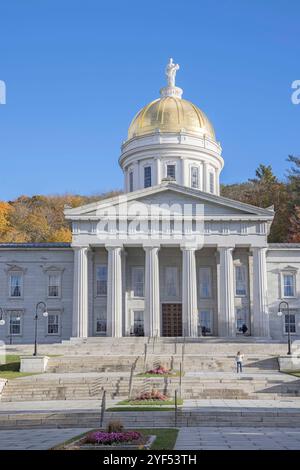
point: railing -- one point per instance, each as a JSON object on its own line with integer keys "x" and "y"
{"x": 145, "y": 355}
{"x": 176, "y": 410}
{"x": 183, "y": 354}
{"x": 133, "y": 367}
{"x": 154, "y": 340}
{"x": 103, "y": 408}
{"x": 180, "y": 380}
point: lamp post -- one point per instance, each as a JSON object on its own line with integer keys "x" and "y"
{"x": 45, "y": 314}
{"x": 289, "y": 322}
{"x": 2, "y": 321}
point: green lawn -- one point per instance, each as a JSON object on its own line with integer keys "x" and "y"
{"x": 158, "y": 376}
{"x": 141, "y": 408}
{"x": 165, "y": 438}
{"x": 149, "y": 403}
{"x": 296, "y": 373}
{"x": 10, "y": 370}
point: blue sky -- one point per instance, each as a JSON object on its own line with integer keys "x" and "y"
{"x": 77, "y": 71}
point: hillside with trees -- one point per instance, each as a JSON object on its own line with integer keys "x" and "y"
{"x": 41, "y": 218}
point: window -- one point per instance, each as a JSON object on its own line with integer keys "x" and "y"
{"x": 171, "y": 171}
{"x": 138, "y": 323}
{"x": 292, "y": 323}
{"x": 101, "y": 280}
{"x": 101, "y": 322}
{"x": 147, "y": 176}
{"x": 240, "y": 281}
{"x": 15, "y": 288}
{"x": 138, "y": 281}
{"x": 171, "y": 281}
{"x": 131, "y": 181}
{"x": 15, "y": 323}
{"x": 53, "y": 324}
{"x": 194, "y": 177}
{"x": 204, "y": 323}
{"x": 211, "y": 182}
{"x": 205, "y": 282}
{"x": 241, "y": 318}
{"x": 288, "y": 285}
{"x": 54, "y": 285}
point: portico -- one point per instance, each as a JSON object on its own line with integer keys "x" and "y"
{"x": 155, "y": 290}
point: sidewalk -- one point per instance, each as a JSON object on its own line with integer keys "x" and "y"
{"x": 231, "y": 438}
{"x": 95, "y": 405}
{"x": 36, "y": 439}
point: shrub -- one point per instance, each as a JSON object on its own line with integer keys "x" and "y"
{"x": 115, "y": 426}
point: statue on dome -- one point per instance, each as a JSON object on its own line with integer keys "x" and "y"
{"x": 171, "y": 70}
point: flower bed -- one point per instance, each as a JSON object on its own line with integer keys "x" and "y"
{"x": 154, "y": 395}
{"x": 160, "y": 370}
{"x": 109, "y": 438}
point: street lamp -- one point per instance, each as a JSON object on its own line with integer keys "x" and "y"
{"x": 289, "y": 322}
{"x": 45, "y": 314}
{"x": 2, "y": 321}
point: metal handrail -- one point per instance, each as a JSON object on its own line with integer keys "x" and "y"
{"x": 145, "y": 355}
{"x": 176, "y": 410}
{"x": 103, "y": 407}
{"x": 180, "y": 380}
{"x": 133, "y": 367}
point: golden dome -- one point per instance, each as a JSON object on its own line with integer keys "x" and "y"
{"x": 170, "y": 114}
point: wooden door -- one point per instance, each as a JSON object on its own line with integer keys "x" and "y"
{"x": 172, "y": 319}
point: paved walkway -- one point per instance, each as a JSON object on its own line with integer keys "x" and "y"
{"x": 203, "y": 438}
{"x": 36, "y": 439}
{"x": 287, "y": 404}
{"x": 214, "y": 438}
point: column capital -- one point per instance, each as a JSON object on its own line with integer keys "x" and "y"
{"x": 225, "y": 248}
{"x": 151, "y": 247}
{"x": 187, "y": 247}
{"x": 111, "y": 247}
{"x": 81, "y": 247}
{"x": 257, "y": 249}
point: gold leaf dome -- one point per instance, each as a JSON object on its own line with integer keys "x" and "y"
{"x": 170, "y": 114}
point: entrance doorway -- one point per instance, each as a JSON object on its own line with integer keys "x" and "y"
{"x": 172, "y": 319}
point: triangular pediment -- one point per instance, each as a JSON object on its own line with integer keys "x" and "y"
{"x": 172, "y": 194}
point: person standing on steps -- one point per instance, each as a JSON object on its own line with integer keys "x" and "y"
{"x": 239, "y": 362}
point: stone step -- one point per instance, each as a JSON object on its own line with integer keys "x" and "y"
{"x": 188, "y": 418}
{"x": 124, "y": 363}
{"x": 210, "y": 346}
{"x": 43, "y": 388}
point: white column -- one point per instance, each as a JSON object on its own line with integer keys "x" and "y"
{"x": 114, "y": 292}
{"x": 226, "y": 313}
{"x": 158, "y": 170}
{"x": 80, "y": 293}
{"x": 152, "y": 301}
{"x": 184, "y": 178}
{"x": 189, "y": 292}
{"x": 205, "y": 178}
{"x": 260, "y": 295}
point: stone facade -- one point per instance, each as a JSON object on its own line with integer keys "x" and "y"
{"x": 33, "y": 263}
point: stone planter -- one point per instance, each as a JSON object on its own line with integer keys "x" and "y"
{"x": 34, "y": 364}
{"x": 79, "y": 445}
{"x": 289, "y": 363}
